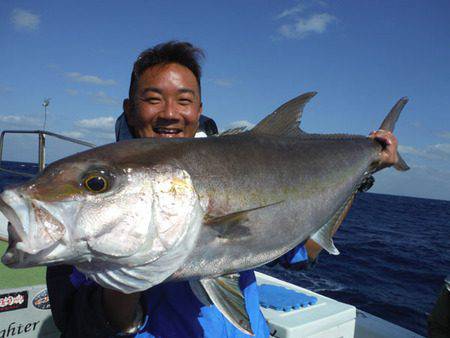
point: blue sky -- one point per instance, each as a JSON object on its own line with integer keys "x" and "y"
{"x": 361, "y": 56}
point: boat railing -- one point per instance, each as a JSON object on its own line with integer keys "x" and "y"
{"x": 41, "y": 151}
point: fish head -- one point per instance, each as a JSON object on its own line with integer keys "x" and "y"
{"x": 81, "y": 210}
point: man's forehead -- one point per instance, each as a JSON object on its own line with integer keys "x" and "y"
{"x": 170, "y": 71}
{"x": 171, "y": 77}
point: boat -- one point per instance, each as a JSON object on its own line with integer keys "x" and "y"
{"x": 25, "y": 307}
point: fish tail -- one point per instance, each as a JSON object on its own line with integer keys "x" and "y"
{"x": 388, "y": 124}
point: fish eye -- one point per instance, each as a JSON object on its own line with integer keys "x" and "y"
{"x": 96, "y": 183}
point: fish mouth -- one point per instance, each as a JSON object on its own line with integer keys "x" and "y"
{"x": 13, "y": 256}
{"x": 16, "y": 235}
{"x": 17, "y": 254}
{"x": 27, "y": 246}
{"x": 14, "y": 221}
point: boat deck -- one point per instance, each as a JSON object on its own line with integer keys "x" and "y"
{"x": 30, "y": 315}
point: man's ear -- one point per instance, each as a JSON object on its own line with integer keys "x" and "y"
{"x": 200, "y": 111}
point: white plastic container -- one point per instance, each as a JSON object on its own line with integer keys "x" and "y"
{"x": 325, "y": 319}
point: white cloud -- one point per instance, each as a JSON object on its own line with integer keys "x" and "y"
{"x": 25, "y": 20}
{"x": 74, "y": 134}
{"x": 100, "y": 123}
{"x": 53, "y": 66}
{"x": 5, "y": 89}
{"x": 20, "y": 121}
{"x": 103, "y": 98}
{"x": 93, "y": 79}
{"x": 105, "y": 137}
{"x": 444, "y": 134}
{"x": 71, "y": 92}
{"x": 291, "y": 11}
{"x": 302, "y": 27}
{"x": 241, "y": 124}
{"x": 440, "y": 151}
{"x": 420, "y": 181}
{"x": 415, "y": 124}
{"x": 222, "y": 82}
{"x": 408, "y": 150}
{"x": 95, "y": 135}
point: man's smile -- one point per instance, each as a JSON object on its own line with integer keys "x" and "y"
{"x": 165, "y": 131}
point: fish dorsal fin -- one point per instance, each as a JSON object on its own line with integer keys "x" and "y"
{"x": 286, "y": 119}
{"x": 224, "y": 292}
{"x": 324, "y": 236}
{"x": 234, "y": 131}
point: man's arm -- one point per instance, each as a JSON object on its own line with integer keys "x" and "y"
{"x": 122, "y": 311}
{"x": 77, "y": 309}
{"x": 80, "y": 308}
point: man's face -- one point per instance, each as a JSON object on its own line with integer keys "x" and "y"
{"x": 166, "y": 103}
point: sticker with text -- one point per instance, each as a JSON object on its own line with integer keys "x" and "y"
{"x": 13, "y": 301}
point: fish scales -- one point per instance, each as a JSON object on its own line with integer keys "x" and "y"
{"x": 309, "y": 178}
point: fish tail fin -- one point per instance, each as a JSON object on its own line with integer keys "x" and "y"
{"x": 389, "y": 121}
{"x": 388, "y": 124}
{"x": 401, "y": 165}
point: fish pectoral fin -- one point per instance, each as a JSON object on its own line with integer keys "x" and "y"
{"x": 325, "y": 239}
{"x": 200, "y": 292}
{"x": 229, "y": 219}
{"x": 324, "y": 236}
{"x": 285, "y": 120}
{"x": 224, "y": 292}
{"x": 232, "y": 225}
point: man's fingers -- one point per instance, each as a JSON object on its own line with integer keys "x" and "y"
{"x": 389, "y": 143}
{"x": 382, "y": 136}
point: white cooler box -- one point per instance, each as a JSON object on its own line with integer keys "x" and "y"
{"x": 325, "y": 319}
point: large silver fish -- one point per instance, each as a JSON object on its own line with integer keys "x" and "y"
{"x": 134, "y": 214}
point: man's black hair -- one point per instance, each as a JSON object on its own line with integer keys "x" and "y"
{"x": 183, "y": 53}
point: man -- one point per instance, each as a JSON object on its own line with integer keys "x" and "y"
{"x": 164, "y": 101}
{"x": 439, "y": 318}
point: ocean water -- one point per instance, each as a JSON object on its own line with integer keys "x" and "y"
{"x": 395, "y": 254}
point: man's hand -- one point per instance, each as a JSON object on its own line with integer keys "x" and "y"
{"x": 120, "y": 309}
{"x": 388, "y": 155}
